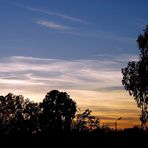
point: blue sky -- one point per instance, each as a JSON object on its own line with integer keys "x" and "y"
{"x": 85, "y": 29}
{"x": 77, "y": 46}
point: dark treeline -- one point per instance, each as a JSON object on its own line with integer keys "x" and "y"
{"x": 55, "y": 121}
{"x": 21, "y": 116}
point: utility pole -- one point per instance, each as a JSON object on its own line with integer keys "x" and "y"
{"x": 116, "y": 123}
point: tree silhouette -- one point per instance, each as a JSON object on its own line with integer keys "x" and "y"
{"x": 19, "y": 116}
{"x": 31, "y": 113}
{"x": 11, "y": 113}
{"x": 135, "y": 77}
{"x": 58, "y": 110}
{"x": 85, "y": 121}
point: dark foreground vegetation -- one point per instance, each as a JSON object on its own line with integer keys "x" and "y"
{"x": 54, "y": 122}
{"x": 128, "y": 137}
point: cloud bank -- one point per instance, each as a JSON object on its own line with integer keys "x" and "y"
{"x": 91, "y": 82}
{"x": 101, "y": 73}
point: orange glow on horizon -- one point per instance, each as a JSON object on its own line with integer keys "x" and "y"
{"x": 107, "y": 105}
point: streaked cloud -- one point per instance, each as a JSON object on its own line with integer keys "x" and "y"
{"x": 92, "y": 83}
{"x": 102, "y": 35}
{"x": 52, "y": 25}
{"x": 84, "y": 74}
{"x": 95, "y": 76}
{"x": 52, "y": 13}
{"x": 76, "y": 31}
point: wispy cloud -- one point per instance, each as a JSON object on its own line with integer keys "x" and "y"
{"x": 70, "y": 18}
{"x": 52, "y": 25}
{"x": 84, "y": 74}
{"x": 93, "y": 83}
{"x": 104, "y": 35}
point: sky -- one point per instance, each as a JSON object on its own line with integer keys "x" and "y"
{"x": 77, "y": 46}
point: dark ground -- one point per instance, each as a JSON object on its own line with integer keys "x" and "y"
{"x": 126, "y": 138}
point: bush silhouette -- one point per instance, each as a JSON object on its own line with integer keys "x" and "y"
{"x": 86, "y": 122}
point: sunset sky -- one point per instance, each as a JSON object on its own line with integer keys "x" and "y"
{"x": 77, "y": 46}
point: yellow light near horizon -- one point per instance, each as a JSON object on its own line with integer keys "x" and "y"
{"x": 107, "y": 105}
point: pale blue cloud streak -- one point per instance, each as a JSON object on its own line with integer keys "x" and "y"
{"x": 52, "y": 25}
{"x": 85, "y": 74}
{"x": 66, "y": 17}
